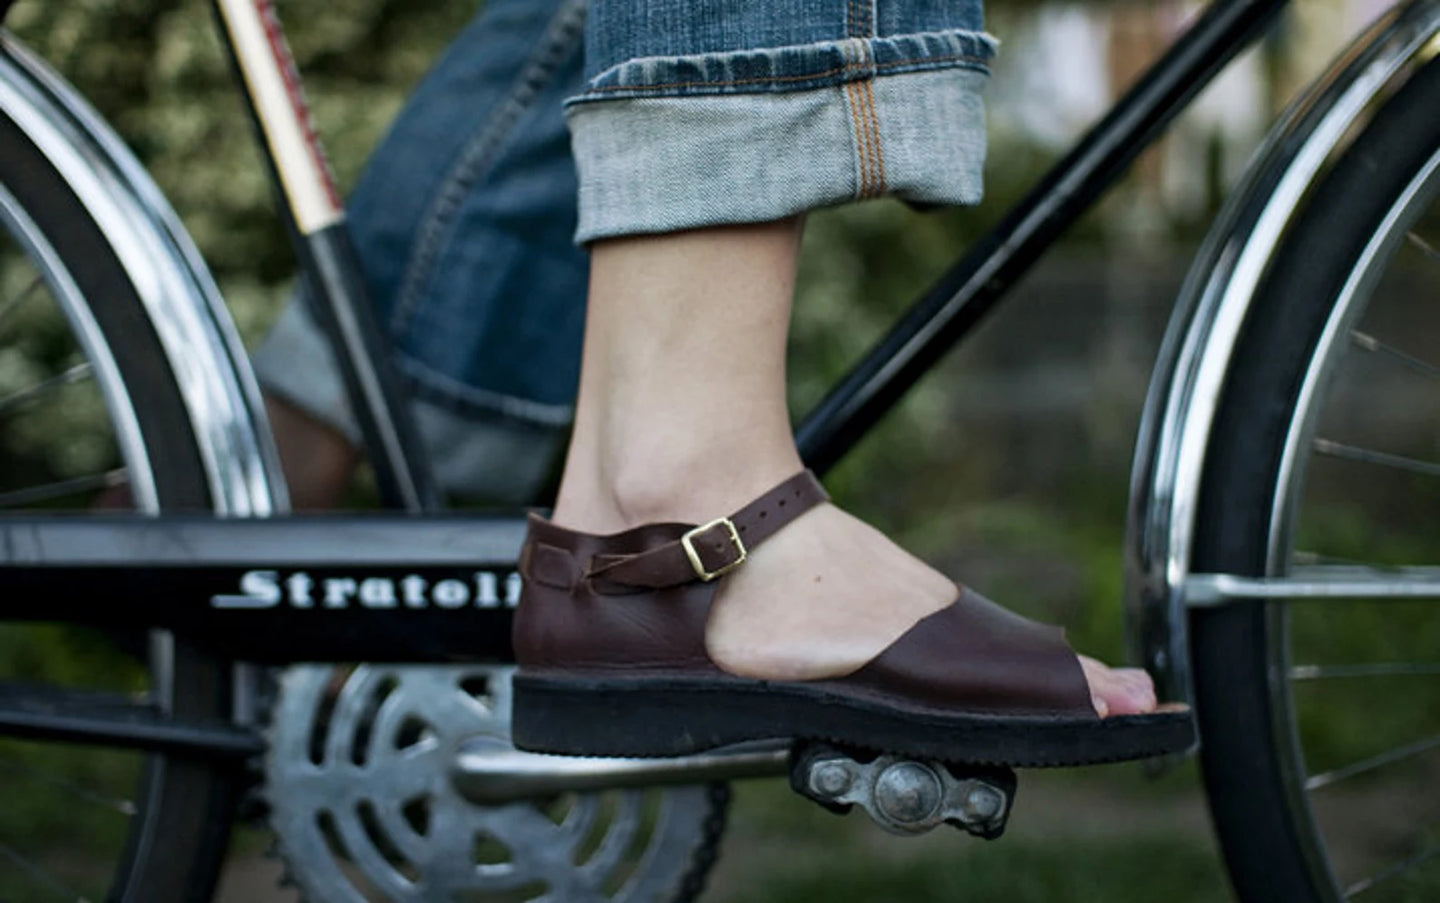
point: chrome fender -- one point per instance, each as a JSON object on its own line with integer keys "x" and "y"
{"x": 1214, "y": 300}
{"x": 199, "y": 339}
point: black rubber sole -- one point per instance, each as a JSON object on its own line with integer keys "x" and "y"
{"x": 677, "y": 715}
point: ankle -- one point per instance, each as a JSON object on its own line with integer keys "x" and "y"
{"x": 690, "y": 487}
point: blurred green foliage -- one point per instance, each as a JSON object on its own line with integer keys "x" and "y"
{"x": 940, "y": 483}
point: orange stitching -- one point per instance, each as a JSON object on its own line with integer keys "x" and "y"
{"x": 862, "y": 139}
{"x": 855, "y": 24}
{"x": 858, "y": 24}
{"x": 861, "y": 145}
{"x": 867, "y": 24}
{"x": 875, "y": 126}
{"x": 875, "y": 182}
{"x": 839, "y": 70}
{"x": 866, "y": 133}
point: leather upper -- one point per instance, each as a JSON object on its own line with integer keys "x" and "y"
{"x": 979, "y": 656}
{"x": 635, "y": 602}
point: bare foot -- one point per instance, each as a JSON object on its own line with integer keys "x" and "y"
{"x": 821, "y": 597}
{"x": 826, "y": 594}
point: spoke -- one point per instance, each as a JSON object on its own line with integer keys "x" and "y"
{"x": 1378, "y": 669}
{"x": 1307, "y": 558}
{"x": 1326, "y": 583}
{"x": 1400, "y": 754}
{"x": 1370, "y": 343}
{"x": 19, "y": 498}
{"x": 1369, "y": 456}
{"x": 75, "y": 374}
{"x": 1399, "y": 868}
{"x": 39, "y": 875}
{"x": 9, "y": 307}
{"x": 1425, "y": 247}
{"x": 124, "y": 807}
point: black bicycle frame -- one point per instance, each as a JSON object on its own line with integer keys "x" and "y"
{"x": 396, "y": 588}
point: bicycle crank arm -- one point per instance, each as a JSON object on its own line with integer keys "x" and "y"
{"x": 111, "y": 719}
{"x": 905, "y": 796}
{"x": 489, "y": 771}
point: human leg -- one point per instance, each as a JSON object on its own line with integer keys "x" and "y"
{"x": 318, "y": 459}
{"x": 463, "y": 221}
{"x": 682, "y": 415}
{"x": 681, "y": 412}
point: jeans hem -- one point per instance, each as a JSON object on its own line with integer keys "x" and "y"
{"x": 663, "y": 164}
{"x": 484, "y": 445}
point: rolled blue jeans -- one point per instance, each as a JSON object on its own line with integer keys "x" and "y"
{"x": 471, "y": 215}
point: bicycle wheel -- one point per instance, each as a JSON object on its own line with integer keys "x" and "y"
{"x": 88, "y": 405}
{"x": 1320, "y": 719}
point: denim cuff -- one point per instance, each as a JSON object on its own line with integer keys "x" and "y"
{"x": 500, "y": 450}
{"x": 665, "y": 144}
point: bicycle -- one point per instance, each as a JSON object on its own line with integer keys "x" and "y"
{"x": 1247, "y": 375}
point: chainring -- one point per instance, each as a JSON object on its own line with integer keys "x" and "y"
{"x": 361, "y": 800}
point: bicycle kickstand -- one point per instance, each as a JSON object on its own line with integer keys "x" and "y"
{"x": 904, "y": 796}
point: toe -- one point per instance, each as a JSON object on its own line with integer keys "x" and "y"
{"x": 1118, "y": 691}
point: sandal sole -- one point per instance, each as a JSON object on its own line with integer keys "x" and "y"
{"x": 674, "y": 715}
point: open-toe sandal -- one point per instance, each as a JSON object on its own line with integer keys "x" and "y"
{"x": 610, "y": 637}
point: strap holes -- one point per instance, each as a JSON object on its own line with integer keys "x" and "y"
{"x": 782, "y": 503}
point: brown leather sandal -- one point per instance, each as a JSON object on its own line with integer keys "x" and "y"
{"x": 610, "y": 637}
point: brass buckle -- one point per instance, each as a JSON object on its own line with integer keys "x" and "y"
{"x": 688, "y": 541}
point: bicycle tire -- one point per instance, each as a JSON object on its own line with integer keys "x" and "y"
{"x": 1258, "y": 742}
{"x": 183, "y": 808}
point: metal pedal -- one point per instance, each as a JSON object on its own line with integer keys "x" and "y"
{"x": 905, "y": 796}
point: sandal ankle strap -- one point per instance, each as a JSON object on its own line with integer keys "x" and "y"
{"x": 714, "y": 549}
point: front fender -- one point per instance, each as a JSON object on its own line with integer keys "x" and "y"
{"x": 1214, "y": 300}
